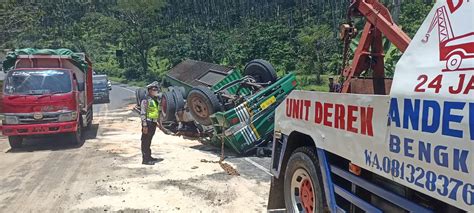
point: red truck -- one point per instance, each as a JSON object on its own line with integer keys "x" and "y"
{"x": 46, "y": 92}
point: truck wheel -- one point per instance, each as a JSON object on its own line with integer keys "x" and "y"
{"x": 182, "y": 91}
{"x": 202, "y": 103}
{"x": 262, "y": 71}
{"x": 140, "y": 94}
{"x": 303, "y": 190}
{"x": 178, "y": 98}
{"x": 77, "y": 137}
{"x": 168, "y": 106}
{"x": 15, "y": 141}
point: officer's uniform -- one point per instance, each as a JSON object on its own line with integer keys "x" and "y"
{"x": 150, "y": 113}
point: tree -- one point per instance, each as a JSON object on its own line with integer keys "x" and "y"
{"x": 141, "y": 31}
{"x": 317, "y": 47}
{"x": 154, "y": 35}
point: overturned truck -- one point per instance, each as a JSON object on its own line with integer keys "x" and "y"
{"x": 222, "y": 103}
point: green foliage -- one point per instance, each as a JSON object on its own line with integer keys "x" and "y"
{"x": 317, "y": 46}
{"x": 413, "y": 14}
{"x": 155, "y": 35}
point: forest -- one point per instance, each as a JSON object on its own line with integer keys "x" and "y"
{"x": 137, "y": 41}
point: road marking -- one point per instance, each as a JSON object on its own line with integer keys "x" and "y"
{"x": 258, "y": 166}
{"x": 126, "y": 89}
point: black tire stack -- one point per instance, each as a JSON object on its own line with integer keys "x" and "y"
{"x": 140, "y": 94}
{"x": 171, "y": 102}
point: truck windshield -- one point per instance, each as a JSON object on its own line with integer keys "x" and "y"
{"x": 37, "y": 82}
{"x": 100, "y": 82}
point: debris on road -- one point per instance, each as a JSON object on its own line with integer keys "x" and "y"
{"x": 106, "y": 174}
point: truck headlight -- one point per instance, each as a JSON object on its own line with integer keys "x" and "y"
{"x": 69, "y": 116}
{"x": 11, "y": 119}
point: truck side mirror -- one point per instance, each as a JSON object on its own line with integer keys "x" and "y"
{"x": 80, "y": 86}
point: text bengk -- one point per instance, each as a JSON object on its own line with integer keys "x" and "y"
{"x": 429, "y": 116}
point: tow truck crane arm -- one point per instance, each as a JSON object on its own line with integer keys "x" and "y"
{"x": 369, "y": 53}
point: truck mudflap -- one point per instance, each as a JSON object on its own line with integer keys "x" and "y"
{"x": 39, "y": 129}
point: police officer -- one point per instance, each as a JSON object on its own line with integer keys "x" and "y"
{"x": 150, "y": 113}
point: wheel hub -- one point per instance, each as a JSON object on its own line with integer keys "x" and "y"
{"x": 302, "y": 193}
{"x": 306, "y": 194}
{"x": 200, "y": 108}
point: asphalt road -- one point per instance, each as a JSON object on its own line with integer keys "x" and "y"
{"x": 48, "y": 174}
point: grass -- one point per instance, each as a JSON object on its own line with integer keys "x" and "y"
{"x": 307, "y": 82}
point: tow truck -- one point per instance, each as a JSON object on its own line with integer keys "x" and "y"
{"x": 384, "y": 145}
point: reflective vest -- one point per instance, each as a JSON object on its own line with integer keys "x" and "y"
{"x": 153, "y": 109}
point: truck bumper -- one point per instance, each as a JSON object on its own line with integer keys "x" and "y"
{"x": 39, "y": 129}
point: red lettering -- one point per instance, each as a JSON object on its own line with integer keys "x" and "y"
{"x": 339, "y": 114}
{"x": 289, "y": 102}
{"x": 452, "y": 7}
{"x": 366, "y": 115}
{"x": 327, "y": 114}
{"x": 318, "y": 113}
{"x": 423, "y": 79}
{"x": 307, "y": 105}
{"x": 470, "y": 86}
{"x": 436, "y": 83}
{"x": 351, "y": 118}
{"x": 459, "y": 89}
{"x": 301, "y": 109}
{"x": 296, "y": 109}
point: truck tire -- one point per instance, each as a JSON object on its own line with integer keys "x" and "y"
{"x": 182, "y": 91}
{"x": 140, "y": 94}
{"x": 178, "y": 98}
{"x": 303, "y": 189}
{"x": 15, "y": 141}
{"x": 77, "y": 138}
{"x": 262, "y": 71}
{"x": 168, "y": 106}
{"x": 202, "y": 103}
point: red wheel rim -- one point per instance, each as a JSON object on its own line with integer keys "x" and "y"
{"x": 307, "y": 195}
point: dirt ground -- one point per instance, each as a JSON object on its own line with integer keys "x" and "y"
{"x": 106, "y": 174}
